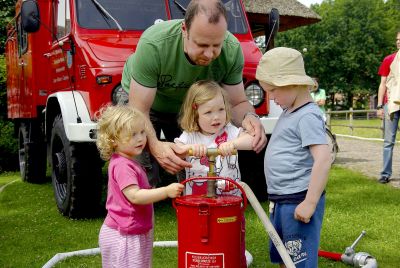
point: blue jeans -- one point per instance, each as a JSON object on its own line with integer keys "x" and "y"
{"x": 390, "y": 128}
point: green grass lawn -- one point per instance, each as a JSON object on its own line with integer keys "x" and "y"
{"x": 32, "y": 231}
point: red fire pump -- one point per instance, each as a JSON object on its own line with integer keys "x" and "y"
{"x": 209, "y": 229}
{"x": 210, "y": 225}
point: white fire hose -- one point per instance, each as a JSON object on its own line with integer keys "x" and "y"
{"x": 96, "y": 251}
{"x": 268, "y": 226}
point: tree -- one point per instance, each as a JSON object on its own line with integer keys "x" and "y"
{"x": 7, "y": 11}
{"x": 392, "y": 10}
{"x": 6, "y": 14}
{"x": 345, "y": 49}
{"x": 8, "y": 144}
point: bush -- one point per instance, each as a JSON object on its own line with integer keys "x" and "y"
{"x": 8, "y": 147}
{"x": 8, "y": 143}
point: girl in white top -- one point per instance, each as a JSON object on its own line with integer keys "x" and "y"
{"x": 205, "y": 120}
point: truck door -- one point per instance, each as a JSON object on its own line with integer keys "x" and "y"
{"x": 12, "y": 59}
{"x": 60, "y": 55}
{"x": 23, "y": 62}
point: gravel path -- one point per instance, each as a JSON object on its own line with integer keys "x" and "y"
{"x": 366, "y": 157}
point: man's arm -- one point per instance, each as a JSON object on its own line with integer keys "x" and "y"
{"x": 142, "y": 98}
{"x": 240, "y": 106}
{"x": 381, "y": 94}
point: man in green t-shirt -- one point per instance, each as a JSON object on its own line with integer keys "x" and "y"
{"x": 169, "y": 58}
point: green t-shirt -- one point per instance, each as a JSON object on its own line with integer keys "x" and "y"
{"x": 320, "y": 95}
{"x": 159, "y": 62}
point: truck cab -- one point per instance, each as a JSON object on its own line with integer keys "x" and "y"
{"x": 64, "y": 62}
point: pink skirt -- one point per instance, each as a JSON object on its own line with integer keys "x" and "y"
{"x": 120, "y": 251}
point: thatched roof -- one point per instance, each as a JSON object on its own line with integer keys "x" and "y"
{"x": 292, "y": 13}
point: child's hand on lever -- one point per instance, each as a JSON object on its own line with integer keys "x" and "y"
{"x": 174, "y": 190}
{"x": 197, "y": 150}
{"x": 227, "y": 148}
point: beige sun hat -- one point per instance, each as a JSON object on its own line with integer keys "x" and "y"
{"x": 283, "y": 66}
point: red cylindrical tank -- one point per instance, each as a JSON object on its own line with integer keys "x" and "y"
{"x": 209, "y": 231}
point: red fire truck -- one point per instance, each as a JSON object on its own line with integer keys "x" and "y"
{"x": 64, "y": 61}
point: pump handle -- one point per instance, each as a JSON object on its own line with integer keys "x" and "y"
{"x": 211, "y": 152}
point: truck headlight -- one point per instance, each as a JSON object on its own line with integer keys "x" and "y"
{"x": 255, "y": 94}
{"x": 119, "y": 96}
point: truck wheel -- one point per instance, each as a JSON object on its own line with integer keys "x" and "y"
{"x": 76, "y": 174}
{"x": 31, "y": 153}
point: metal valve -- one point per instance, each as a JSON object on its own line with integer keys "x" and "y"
{"x": 360, "y": 259}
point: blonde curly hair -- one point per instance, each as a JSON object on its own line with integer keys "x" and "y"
{"x": 199, "y": 93}
{"x": 112, "y": 120}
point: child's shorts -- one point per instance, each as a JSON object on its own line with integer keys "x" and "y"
{"x": 300, "y": 239}
{"x": 125, "y": 251}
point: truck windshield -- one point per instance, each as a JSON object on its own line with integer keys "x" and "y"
{"x": 236, "y": 18}
{"x": 116, "y": 14}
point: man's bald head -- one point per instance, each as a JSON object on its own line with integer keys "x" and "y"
{"x": 213, "y": 9}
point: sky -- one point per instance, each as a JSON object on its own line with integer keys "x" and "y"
{"x": 307, "y": 3}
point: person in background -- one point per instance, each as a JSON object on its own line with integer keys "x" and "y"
{"x": 297, "y": 158}
{"x": 319, "y": 96}
{"x": 169, "y": 58}
{"x": 126, "y": 236}
{"x": 391, "y": 121}
{"x": 205, "y": 118}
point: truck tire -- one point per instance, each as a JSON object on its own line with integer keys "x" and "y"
{"x": 76, "y": 174}
{"x": 31, "y": 153}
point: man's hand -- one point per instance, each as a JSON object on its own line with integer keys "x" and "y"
{"x": 166, "y": 154}
{"x": 254, "y": 127}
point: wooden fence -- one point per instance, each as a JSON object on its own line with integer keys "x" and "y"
{"x": 349, "y": 115}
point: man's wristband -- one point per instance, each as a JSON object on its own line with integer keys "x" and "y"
{"x": 251, "y": 113}
{"x": 379, "y": 107}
